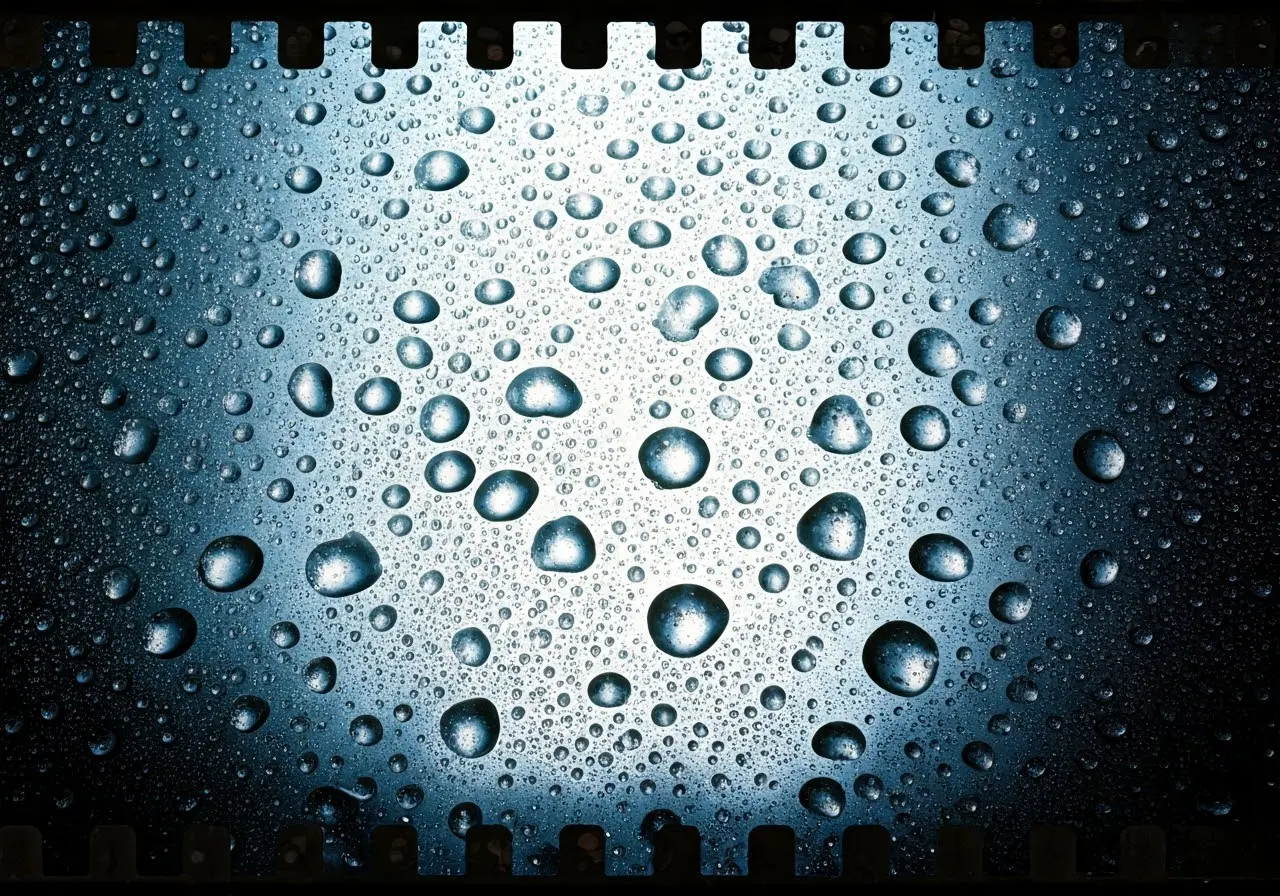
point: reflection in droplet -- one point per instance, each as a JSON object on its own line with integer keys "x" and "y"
{"x": 230, "y": 563}
{"x": 470, "y": 728}
{"x": 685, "y": 620}
{"x": 563, "y": 545}
{"x": 344, "y": 566}
{"x": 901, "y": 658}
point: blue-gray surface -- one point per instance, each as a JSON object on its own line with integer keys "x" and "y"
{"x": 814, "y": 447}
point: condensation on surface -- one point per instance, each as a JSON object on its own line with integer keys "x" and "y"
{"x": 813, "y": 446}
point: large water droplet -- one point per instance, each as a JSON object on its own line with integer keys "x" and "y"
{"x": 1009, "y": 228}
{"x": 791, "y": 286}
{"x": 416, "y": 307}
{"x": 839, "y": 741}
{"x": 506, "y": 495}
{"x": 543, "y": 392}
{"x": 834, "y": 527}
{"x": 563, "y": 545}
{"x": 230, "y": 563}
{"x": 318, "y": 274}
{"x": 249, "y": 713}
{"x": 941, "y": 557}
{"x": 728, "y": 364}
{"x": 470, "y": 728}
{"x": 865, "y": 248}
{"x": 136, "y": 440}
{"x": 839, "y": 426}
{"x": 440, "y": 170}
{"x": 595, "y": 275}
{"x": 120, "y": 584}
{"x": 684, "y": 312}
{"x": 823, "y": 797}
{"x": 321, "y": 675}
{"x": 685, "y": 620}
{"x": 478, "y": 119}
{"x": 344, "y": 566}
{"x": 934, "y": 351}
{"x": 725, "y": 255}
{"x": 609, "y": 689}
{"x": 1010, "y": 602}
{"x": 1099, "y": 456}
{"x": 169, "y": 633}
{"x": 901, "y": 658}
{"x": 450, "y": 471}
{"x": 1059, "y": 328}
{"x": 470, "y": 646}
{"x": 925, "y": 428}
{"x": 1099, "y": 569}
{"x": 378, "y": 396}
{"x": 674, "y": 457}
{"x": 958, "y": 167}
{"x": 311, "y": 388}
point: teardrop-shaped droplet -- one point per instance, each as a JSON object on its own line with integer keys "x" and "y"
{"x": 311, "y": 388}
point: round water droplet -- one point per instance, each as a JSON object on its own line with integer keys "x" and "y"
{"x": 169, "y": 633}
{"x": 249, "y": 713}
{"x": 563, "y": 545}
{"x": 495, "y": 291}
{"x": 230, "y": 563}
{"x": 901, "y": 658}
{"x": 1099, "y": 456}
{"x": 477, "y": 119}
{"x": 416, "y": 307}
{"x": 414, "y": 353}
{"x": 969, "y": 387}
{"x": 934, "y": 351}
{"x": 941, "y": 557}
{"x": 1058, "y": 328}
{"x": 865, "y": 248}
{"x": 649, "y": 234}
{"x": 1009, "y": 228}
{"x": 1099, "y": 569}
{"x": 839, "y": 426}
{"x": 939, "y": 204}
{"x": 470, "y": 646}
{"x": 957, "y": 167}
{"x": 23, "y": 366}
{"x": 543, "y": 392}
{"x": 823, "y": 797}
{"x": 365, "y": 730}
{"x": 470, "y": 728}
{"x": 685, "y": 620}
{"x": 674, "y": 457}
{"x": 440, "y": 170}
{"x": 684, "y": 312}
{"x": 979, "y": 756}
{"x": 506, "y": 495}
{"x": 1198, "y": 378}
{"x": 444, "y": 418}
{"x": 609, "y": 689}
{"x": 925, "y": 428}
{"x": 839, "y": 741}
{"x": 303, "y": 179}
{"x": 136, "y": 439}
{"x": 318, "y": 274}
{"x": 835, "y": 527}
{"x": 378, "y": 396}
{"x": 857, "y": 296}
{"x": 120, "y": 584}
{"x": 1010, "y": 603}
{"x": 377, "y": 164}
{"x": 450, "y": 471}
{"x": 886, "y": 85}
{"x": 773, "y": 698}
{"x": 724, "y": 255}
{"x": 807, "y": 155}
{"x": 728, "y": 364}
{"x": 321, "y": 675}
{"x": 595, "y": 275}
{"x": 343, "y": 566}
{"x": 774, "y": 578}
{"x": 311, "y": 388}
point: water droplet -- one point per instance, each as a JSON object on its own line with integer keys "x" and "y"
{"x": 1099, "y": 569}
{"x": 120, "y": 584}
{"x": 1058, "y": 328}
{"x": 823, "y": 797}
{"x": 450, "y": 471}
{"x": 774, "y": 578}
{"x": 563, "y": 545}
{"x": 478, "y": 120}
{"x": 728, "y": 364}
{"x": 674, "y": 457}
{"x": 941, "y": 557}
{"x": 230, "y": 563}
{"x": 1010, "y": 602}
{"x": 1099, "y": 456}
{"x": 934, "y": 351}
{"x": 303, "y": 179}
{"x": 470, "y": 728}
{"x": 791, "y": 286}
{"x": 169, "y": 633}
{"x": 839, "y": 741}
{"x": 609, "y": 689}
{"x": 249, "y": 713}
{"x": 901, "y": 658}
{"x": 377, "y": 164}
{"x": 958, "y": 167}
{"x": 1009, "y": 228}
{"x": 724, "y": 255}
{"x": 649, "y": 234}
{"x": 969, "y": 387}
{"x": 506, "y": 495}
{"x": 343, "y": 566}
{"x": 773, "y": 698}
{"x": 440, "y": 170}
{"x": 834, "y": 527}
{"x": 378, "y": 396}
{"x": 444, "y": 418}
{"x": 685, "y": 620}
{"x": 865, "y": 248}
{"x": 925, "y": 428}
{"x": 886, "y": 86}
{"x": 136, "y": 439}
{"x": 311, "y": 388}
{"x": 318, "y": 274}
{"x": 684, "y": 312}
{"x": 321, "y": 675}
{"x": 807, "y": 155}
{"x": 595, "y": 275}
{"x": 470, "y": 646}
{"x": 1198, "y": 378}
{"x": 839, "y": 426}
{"x": 416, "y": 307}
{"x": 543, "y": 392}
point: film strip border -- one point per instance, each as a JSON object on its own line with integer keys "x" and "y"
{"x": 1146, "y": 854}
{"x": 1154, "y": 35}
